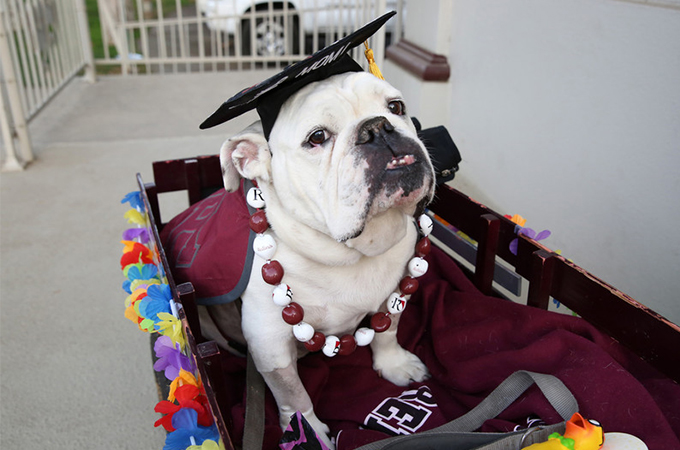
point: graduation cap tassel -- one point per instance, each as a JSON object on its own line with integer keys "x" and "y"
{"x": 372, "y": 66}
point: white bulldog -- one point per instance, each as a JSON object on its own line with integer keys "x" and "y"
{"x": 343, "y": 175}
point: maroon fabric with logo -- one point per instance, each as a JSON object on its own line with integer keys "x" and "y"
{"x": 469, "y": 342}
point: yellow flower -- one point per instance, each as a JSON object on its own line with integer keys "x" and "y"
{"x": 135, "y": 217}
{"x": 136, "y": 283}
{"x": 208, "y": 445}
{"x": 171, "y": 327}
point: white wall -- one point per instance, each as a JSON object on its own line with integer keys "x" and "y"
{"x": 568, "y": 113}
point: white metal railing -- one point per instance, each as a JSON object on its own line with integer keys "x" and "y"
{"x": 43, "y": 44}
{"x": 169, "y": 36}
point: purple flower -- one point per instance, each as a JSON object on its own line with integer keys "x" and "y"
{"x": 142, "y": 234}
{"x": 530, "y": 233}
{"x": 170, "y": 358}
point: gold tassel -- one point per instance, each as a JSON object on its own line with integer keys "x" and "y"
{"x": 372, "y": 66}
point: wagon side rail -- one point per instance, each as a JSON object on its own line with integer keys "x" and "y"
{"x": 648, "y": 334}
{"x": 206, "y": 354}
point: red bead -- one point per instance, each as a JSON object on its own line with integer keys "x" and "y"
{"x": 316, "y": 342}
{"x": 347, "y": 345}
{"x": 293, "y": 313}
{"x": 272, "y": 272}
{"x": 423, "y": 247}
{"x": 258, "y": 222}
{"x": 380, "y": 322}
{"x": 408, "y": 285}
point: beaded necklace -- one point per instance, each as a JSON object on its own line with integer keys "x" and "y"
{"x": 293, "y": 313}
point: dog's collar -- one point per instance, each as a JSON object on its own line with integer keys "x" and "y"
{"x": 264, "y": 245}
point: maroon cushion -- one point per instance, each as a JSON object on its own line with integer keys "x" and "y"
{"x": 210, "y": 245}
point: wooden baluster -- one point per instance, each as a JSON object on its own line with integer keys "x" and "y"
{"x": 193, "y": 180}
{"x": 187, "y": 297}
{"x": 541, "y": 278}
{"x": 486, "y": 252}
{"x": 210, "y": 367}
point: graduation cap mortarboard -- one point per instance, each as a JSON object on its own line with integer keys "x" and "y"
{"x": 269, "y": 95}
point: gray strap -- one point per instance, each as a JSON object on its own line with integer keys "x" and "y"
{"x": 467, "y": 440}
{"x": 507, "y": 392}
{"x": 253, "y": 429}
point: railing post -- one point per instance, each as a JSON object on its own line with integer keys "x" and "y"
{"x": 11, "y": 163}
{"x": 13, "y": 95}
{"x": 122, "y": 41}
{"x": 88, "y": 56}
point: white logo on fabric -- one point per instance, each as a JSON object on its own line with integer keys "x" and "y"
{"x": 403, "y": 415}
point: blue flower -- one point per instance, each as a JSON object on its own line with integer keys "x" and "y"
{"x": 142, "y": 271}
{"x": 135, "y": 200}
{"x": 157, "y": 300}
{"x": 126, "y": 286}
{"x": 187, "y": 431}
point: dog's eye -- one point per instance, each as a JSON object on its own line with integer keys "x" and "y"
{"x": 396, "y": 107}
{"x": 317, "y": 138}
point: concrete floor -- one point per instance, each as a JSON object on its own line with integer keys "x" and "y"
{"x": 74, "y": 373}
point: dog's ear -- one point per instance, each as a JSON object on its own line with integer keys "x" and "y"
{"x": 245, "y": 155}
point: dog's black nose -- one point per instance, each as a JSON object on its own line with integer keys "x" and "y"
{"x": 373, "y": 127}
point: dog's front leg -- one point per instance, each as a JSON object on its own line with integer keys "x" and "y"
{"x": 291, "y": 396}
{"x": 392, "y": 361}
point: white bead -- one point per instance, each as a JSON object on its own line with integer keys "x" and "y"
{"x": 303, "y": 331}
{"x": 254, "y": 197}
{"x": 425, "y": 224}
{"x": 364, "y": 336}
{"x": 331, "y": 346}
{"x": 417, "y": 267}
{"x": 282, "y": 294}
{"x": 396, "y": 303}
{"x": 264, "y": 246}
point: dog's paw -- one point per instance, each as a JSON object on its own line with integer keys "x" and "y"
{"x": 400, "y": 366}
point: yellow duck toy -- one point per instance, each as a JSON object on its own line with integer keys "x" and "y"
{"x": 580, "y": 434}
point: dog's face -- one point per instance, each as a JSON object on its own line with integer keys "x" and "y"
{"x": 341, "y": 152}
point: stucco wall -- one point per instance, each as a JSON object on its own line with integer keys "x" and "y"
{"x": 568, "y": 113}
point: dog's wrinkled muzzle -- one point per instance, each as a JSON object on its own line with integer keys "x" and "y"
{"x": 372, "y": 128}
{"x": 385, "y": 148}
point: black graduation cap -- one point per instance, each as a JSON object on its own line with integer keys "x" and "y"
{"x": 269, "y": 95}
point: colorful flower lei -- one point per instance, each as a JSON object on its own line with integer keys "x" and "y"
{"x": 149, "y": 304}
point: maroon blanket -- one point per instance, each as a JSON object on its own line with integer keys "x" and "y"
{"x": 471, "y": 343}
